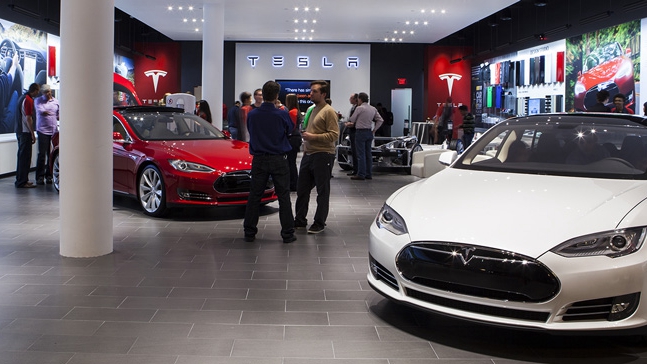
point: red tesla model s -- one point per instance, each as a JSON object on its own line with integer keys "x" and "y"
{"x": 166, "y": 157}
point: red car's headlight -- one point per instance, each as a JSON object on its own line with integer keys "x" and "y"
{"x": 185, "y": 166}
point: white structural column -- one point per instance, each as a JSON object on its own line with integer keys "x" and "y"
{"x": 213, "y": 38}
{"x": 87, "y": 37}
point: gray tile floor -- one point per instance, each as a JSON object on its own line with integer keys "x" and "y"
{"x": 187, "y": 289}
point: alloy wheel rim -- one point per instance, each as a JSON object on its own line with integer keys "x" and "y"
{"x": 150, "y": 190}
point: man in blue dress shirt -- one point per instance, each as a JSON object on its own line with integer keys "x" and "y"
{"x": 269, "y": 129}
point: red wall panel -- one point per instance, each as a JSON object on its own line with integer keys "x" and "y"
{"x": 165, "y": 67}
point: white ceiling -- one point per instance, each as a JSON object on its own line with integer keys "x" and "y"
{"x": 361, "y": 21}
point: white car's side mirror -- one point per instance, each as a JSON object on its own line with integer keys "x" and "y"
{"x": 448, "y": 157}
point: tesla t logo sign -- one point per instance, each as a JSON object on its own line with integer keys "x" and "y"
{"x": 155, "y": 74}
{"x": 450, "y": 78}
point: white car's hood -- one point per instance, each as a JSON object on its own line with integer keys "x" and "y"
{"x": 527, "y": 214}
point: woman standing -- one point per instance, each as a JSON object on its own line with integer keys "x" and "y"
{"x": 203, "y": 110}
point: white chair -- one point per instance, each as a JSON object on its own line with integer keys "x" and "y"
{"x": 425, "y": 162}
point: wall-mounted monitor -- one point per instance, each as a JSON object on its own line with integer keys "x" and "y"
{"x": 299, "y": 87}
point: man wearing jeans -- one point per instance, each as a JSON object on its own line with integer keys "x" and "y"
{"x": 363, "y": 119}
{"x": 319, "y": 136}
{"x": 46, "y": 124}
{"x": 26, "y": 137}
{"x": 269, "y": 129}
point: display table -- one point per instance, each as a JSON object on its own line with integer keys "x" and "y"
{"x": 421, "y": 131}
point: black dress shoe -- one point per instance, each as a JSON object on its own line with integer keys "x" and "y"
{"x": 289, "y": 239}
{"x": 351, "y": 174}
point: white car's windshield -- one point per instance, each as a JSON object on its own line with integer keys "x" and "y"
{"x": 582, "y": 145}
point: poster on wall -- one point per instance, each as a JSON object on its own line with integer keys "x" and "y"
{"x": 53, "y": 61}
{"x": 23, "y": 60}
{"x": 299, "y": 87}
{"x": 125, "y": 67}
{"x": 606, "y": 59}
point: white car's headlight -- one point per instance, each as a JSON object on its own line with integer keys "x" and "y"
{"x": 611, "y": 243}
{"x": 390, "y": 220}
{"x": 185, "y": 166}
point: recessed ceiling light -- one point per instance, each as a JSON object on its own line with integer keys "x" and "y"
{"x": 310, "y": 38}
{"x": 296, "y": 9}
{"x": 422, "y": 11}
{"x": 305, "y": 21}
{"x": 395, "y": 32}
{"x": 296, "y": 21}
{"x": 406, "y": 22}
{"x": 304, "y": 30}
{"x": 393, "y": 39}
{"x": 386, "y": 39}
{"x": 296, "y": 30}
{"x": 314, "y": 21}
{"x": 426, "y": 23}
{"x": 179, "y": 8}
{"x": 185, "y": 20}
{"x": 170, "y": 8}
{"x": 312, "y": 30}
{"x": 306, "y": 9}
{"x": 197, "y": 30}
{"x": 411, "y": 32}
{"x": 194, "y": 20}
{"x": 316, "y": 9}
{"x": 303, "y": 38}
{"x": 400, "y": 39}
{"x": 191, "y": 8}
{"x": 443, "y": 11}
{"x": 433, "y": 11}
{"x": 416, "y": 22}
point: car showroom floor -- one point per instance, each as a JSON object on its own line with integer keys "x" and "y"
{"x": 187, "y": 289}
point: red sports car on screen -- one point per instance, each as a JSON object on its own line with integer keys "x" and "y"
{"x": 606, "y": 68}
{"x": 166, "y": 157}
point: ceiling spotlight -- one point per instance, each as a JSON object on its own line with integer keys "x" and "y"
{"x": 400, "y": 39}
{"x": 386, "y": 39}
{"x": 194, "y": 20}
{"x": 197, "y": 30}
{"x": 179, "y": 8}
{"x": 296, "y": 30}
{"x": 395, "y": 32}
{"x": 442, "y": 11}
{"x": 316, "y": 9}
{"x": 433, "y": 11}
{"x": 506, "y": 15}
{"x": 304, "y": 30}
{"x": 314, "y": 21}
{"x": 406, "y": 22}
{"x": 185, "y": 20}
{"x": 540, "y": 3}
{"x": 312, "y": 30}
{"x": 310, "y": 38}
{"x": 296, "y": 9}
{"x": 305, "y": 21}
{"x": 393, "y": 39}
{"x": 306, "y": 9}
{"x": 411, "y": 32}
{"x": 296, "y": 21}
{"x": 191, "y": 8}
{"x": 426, "y": 23}
{"x": 170, "y": 8}
{"x": 416, "y": 23}
{"x": 422, "y": 11}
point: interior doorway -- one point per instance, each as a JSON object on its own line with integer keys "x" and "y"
{"x": 401, "y": 109}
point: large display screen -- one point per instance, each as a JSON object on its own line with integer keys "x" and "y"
{"x": 299, "y": 87}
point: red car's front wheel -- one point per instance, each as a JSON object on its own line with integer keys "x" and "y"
{"x": 152, "y": 194}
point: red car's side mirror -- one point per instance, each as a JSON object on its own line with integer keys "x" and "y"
{"x": 227, "y": 133}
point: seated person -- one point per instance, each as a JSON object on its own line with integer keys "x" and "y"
{"x": 518, "y": 152}
{"x": 588, "y": 150}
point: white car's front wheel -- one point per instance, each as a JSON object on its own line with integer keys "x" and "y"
{"x": 152, "y": 195}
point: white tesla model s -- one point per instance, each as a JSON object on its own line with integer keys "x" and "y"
{"x": 540, "y": 224}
